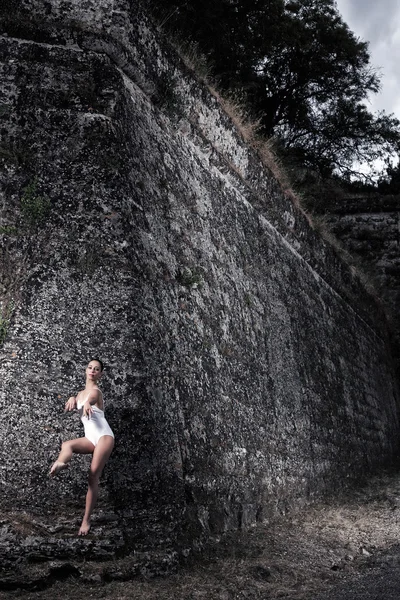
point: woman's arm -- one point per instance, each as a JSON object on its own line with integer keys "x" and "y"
{"x": 70, "y": 404}
{"x": 92, "y": 399}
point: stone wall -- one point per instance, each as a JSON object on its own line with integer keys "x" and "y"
{"x": 369, "y": 227}
{"x": 247, "y": 371}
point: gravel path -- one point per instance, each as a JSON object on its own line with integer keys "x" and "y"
{"x": 382, "y": 583}
{"x": 346, "y": 549}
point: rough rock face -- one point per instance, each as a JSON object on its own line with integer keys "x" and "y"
{"x": 246, "y": 368}
{"x": 369, "y": 227}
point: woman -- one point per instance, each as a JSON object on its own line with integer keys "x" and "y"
{"x": 98, "y": 440}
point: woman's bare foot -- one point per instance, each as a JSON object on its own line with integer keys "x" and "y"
{"x": 85, "y": 527}
{"x": 57, "y": 467}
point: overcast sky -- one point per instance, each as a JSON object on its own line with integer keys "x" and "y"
{"x": 378, "y": 22}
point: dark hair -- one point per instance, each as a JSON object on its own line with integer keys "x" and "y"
{"x": 99, "y": 361}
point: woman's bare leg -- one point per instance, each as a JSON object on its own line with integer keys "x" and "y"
{"x": 78, "y": 446}
{"x": 101, "y": 455}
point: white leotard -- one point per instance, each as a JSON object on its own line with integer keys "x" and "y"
{"x": 96, "y": 425}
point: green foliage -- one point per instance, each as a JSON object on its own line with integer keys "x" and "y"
{"x": 305, "y": 75}
{"x": 34, "y": 207}
{"x": 248, "y": 300}
{"x": 190, "y": 277}
{"x": 8, "y": 230}
{"x": 5, "y": 109}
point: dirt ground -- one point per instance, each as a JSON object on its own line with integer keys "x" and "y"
{"x": 296, "y": 557}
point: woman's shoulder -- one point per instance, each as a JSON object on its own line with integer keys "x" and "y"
{"x": 90, "y": 394}
{"x": 97, "y": 392}
{"x": 92, "y": 390}
{"x": 99, "y": 398}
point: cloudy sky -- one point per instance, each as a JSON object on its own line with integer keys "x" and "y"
{"x": 378, "y": 22}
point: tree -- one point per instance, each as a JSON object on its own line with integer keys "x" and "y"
{"x": 304, "y": 74}
{"x": 389, "y": 183}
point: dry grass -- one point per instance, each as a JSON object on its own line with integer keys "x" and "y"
{"x": 247, "y": 127}
{"x": 295, "y": 557}
{"x": 194, "y": 60}
{"x": 249, "y": 130}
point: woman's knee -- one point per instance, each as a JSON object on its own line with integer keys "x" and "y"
{"x": 66, "y": 446}
{"x": 94, "y": 477}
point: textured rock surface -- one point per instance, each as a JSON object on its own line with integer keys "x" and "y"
{"x": 247, "y": 369}
{"x": 370, "y": 228}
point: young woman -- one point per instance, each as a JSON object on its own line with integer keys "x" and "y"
{"x": 98, "y": 440}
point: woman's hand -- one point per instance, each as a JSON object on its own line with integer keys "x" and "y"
{"x": 87, "y": 409}
{"x": 70, "y": 404}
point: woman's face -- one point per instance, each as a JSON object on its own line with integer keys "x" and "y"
{"x": 93, "y": 371}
